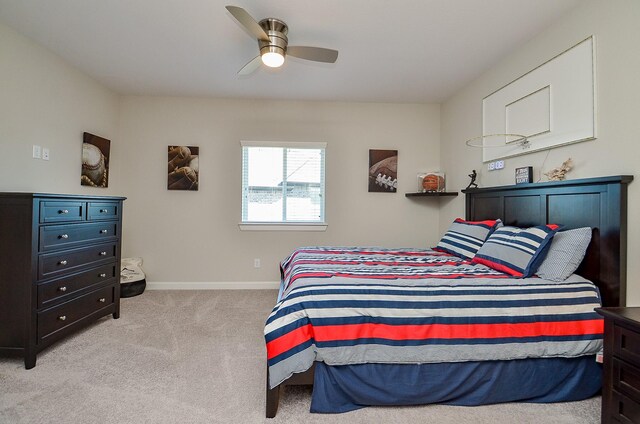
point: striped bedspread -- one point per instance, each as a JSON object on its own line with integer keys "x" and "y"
{"x": 372, "y": 305}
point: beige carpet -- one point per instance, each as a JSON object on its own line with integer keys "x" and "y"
{"x": 198, "y": 357}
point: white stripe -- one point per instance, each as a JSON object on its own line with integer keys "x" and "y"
{"x": 509, "y": 243}
{"x": 314, "y": 313}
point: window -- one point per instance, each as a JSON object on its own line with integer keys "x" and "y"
{"x": 283, "y": 183}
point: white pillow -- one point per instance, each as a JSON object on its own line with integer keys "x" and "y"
{"x": 565, "y": 254}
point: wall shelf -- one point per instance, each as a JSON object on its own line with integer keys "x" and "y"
{"x": 432, "y": 194}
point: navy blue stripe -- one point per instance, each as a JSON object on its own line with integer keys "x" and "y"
{"x": 500, "y": 262}
{"x": 318, "y": 322}
{"x": 290, "y": 352}
{"x": 441, "y": 304}
{"x": 463, "y": 237}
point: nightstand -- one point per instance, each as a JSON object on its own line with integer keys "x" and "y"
{"x": 621, "y": 373}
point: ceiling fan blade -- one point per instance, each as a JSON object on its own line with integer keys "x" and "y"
{"x": 251, "y": 67}
{"x": 248, "y": 22}
{"x": 317, "y": 54}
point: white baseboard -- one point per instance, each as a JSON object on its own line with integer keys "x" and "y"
{"x": 213, "y": 285}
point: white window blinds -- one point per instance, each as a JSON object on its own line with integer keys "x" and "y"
{"x": 283, "y": 182}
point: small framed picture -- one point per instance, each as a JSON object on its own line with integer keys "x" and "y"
{"x": 524, "y": 175}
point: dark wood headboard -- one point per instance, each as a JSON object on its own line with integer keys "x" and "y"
{"x": 599, "y": 203}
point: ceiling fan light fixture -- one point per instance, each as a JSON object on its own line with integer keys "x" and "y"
{"x": 272, "y": 56}
{"x": 272, "y": 59}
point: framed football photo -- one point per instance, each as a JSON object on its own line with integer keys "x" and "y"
{"x": 383, "y": 171}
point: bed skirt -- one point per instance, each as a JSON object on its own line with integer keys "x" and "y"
{"x": 339, "y": 389}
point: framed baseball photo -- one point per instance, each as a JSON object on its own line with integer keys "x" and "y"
{"x": 183, "y": 168}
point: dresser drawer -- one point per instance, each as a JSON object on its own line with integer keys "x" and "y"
{"x": 624, "y": 409}
{"x": 626, "y": 344}
{"x": 626, "y": 378}
{"x": 63, "y": 288}
{"x": 72, "y": 235}
{"x": 65, "y": 315}
{"x": 59, "y": 263}
{"x": 61, "y": 211}
{"x": 102, "y": 210}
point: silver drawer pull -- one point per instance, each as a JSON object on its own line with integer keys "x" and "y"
{"x": 63, "y": 262}
{"x": 102, "y": 300}
{"x": 103, "y": 253}
{"x": 104, "y": 210}
{"x": 63, "y": 211}
{"x": 62, "y": 289}
{"x": 103, "y": 275}
{"x": 64, "y": 236}
{"x": 104, "y": 231}
{"x": 62, "y": 317}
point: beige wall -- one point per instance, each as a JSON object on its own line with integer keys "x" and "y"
{"x": 45, "y": 101}
{"x": 194, "y": 236}
{"x": 616, "y": 150}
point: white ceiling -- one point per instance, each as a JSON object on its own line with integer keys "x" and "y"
{"x": 390, "y": 51}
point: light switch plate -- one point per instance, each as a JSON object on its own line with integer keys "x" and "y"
{"x": 37, "y": 152}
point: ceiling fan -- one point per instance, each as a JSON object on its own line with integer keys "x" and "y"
{"x": 273, "y": 43}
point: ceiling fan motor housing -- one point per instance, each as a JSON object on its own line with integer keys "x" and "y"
{"x": 277, "y": 32}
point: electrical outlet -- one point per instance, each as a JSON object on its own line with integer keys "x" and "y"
{"x": 45, "y": 153}
{"x": 500, "y": 164}
{"x": 491, "y": 166}
{"x": 256, "y": 263}
{"x": 37, "y": 152}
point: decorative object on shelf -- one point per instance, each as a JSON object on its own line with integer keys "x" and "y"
{"x": 472, "y": 183}
{"x": 383, "y": 171}
{"x": 524, "y": 175}
{"x": 430, "y": 182}
{"x": 183, "y": 168}
{"x": 559, "y": 173}
{"x": 95, "y": 161}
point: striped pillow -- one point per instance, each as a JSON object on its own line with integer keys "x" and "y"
{"x": 516, "y": 251}
{"x": 464, "y": 238}
{"x": 565, "y": 254}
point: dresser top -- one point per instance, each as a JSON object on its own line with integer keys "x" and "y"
{"x": 630, "y": 315}
{"x": 58, "y": 196}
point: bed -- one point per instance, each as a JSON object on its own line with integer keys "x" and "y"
{"x": 428, "y": 349}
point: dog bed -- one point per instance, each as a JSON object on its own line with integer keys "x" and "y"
{"x": 132, "y": 277}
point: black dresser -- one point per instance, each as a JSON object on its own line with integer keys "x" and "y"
{"x": 59, "y": 267}
{"x": 621, "y": 373}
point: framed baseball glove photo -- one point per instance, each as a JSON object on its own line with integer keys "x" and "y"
{"x": 183, "y": 168}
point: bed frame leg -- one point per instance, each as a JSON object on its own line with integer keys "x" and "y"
{"x": 273, "y": 399}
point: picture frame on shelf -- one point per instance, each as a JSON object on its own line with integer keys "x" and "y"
{"x": 524, "y": 175}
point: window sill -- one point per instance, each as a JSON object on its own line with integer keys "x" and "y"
{"x": 280, "y": 226}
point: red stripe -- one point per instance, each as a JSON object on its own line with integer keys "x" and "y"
{"x": 290, "y": 340}
{"x": 488, "y": 223}
{"x": 390, "y": 263}
{"x": 457, "y": 331}
{"x": 497, "y": 266}
{"x": 329, "y": 333}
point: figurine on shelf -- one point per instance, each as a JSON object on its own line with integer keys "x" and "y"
{"x": 473, "y": 177}
{"x": 559, "y": 173}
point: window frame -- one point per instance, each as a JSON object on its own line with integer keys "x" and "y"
{"x": 284, "y": 225}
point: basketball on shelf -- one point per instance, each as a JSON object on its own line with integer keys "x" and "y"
{"x": 432, "y": 182}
